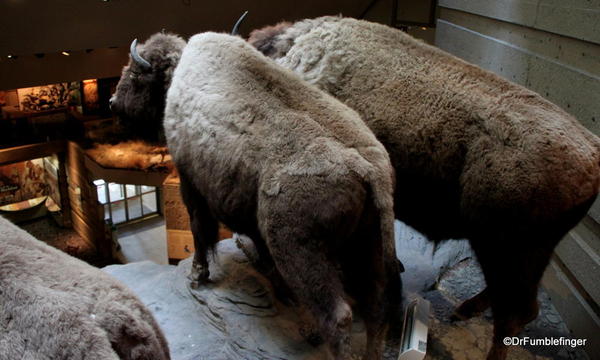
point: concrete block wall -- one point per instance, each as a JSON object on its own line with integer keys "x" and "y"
{"x": 553, "y": 48}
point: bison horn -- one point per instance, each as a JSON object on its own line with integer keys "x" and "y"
{"x": 137, "y": 58}
{"x": 234, "y": 32}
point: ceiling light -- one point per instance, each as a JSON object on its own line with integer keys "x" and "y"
{"x": 12, "y": 56}
{"x": 65, "y": 53}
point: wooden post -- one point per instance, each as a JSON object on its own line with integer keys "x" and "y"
{"x": 63, "y": 190}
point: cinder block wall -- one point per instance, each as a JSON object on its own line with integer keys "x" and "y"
{"x": 553, "y": 48}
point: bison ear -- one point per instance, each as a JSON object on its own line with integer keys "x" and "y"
{"x": 265, "y": 39}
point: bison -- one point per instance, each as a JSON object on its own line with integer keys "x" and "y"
{"x": 281, "y": 161}
{"x": 54, "y": 306}
{"x": 476, "y": 156}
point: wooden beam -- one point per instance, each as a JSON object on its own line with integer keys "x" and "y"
{"x": 31, "y": 151}
{"x": 124, "y": 176}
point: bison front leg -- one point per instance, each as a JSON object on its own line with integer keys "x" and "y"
{"x": 205, "y": 230}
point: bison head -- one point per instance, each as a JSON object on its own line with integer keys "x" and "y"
{"x": 139, "y": 100}
{"x": 271, "y": 41}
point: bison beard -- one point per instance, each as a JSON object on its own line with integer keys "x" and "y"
{"x": 274, "y": 158}
{"x": 475, "y": 155}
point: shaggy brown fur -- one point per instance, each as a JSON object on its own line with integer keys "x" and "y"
{"x": 266, "y": 42}
{"x": 134, "y": 154}
{"x": 294, "y": 169}
{"x": 475, "y": 155}
{"x": 54, "y": 306}
{"x": 145, "y": 122}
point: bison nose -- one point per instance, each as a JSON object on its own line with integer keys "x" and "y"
{"x": 110, "y": 103}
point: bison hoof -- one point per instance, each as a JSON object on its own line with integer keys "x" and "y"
{"x": 311, "y": 335}
{"x": 194, "y": 284}
{"x": 464, "y": 312}
{"x": 469, "y": 309}
{"x": 198, "y": 278}
{"x": 456, "y": 316}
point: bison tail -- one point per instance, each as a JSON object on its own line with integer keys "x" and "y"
{"x": 384, "y": 203}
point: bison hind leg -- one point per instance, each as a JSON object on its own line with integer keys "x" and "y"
{"x": 511, "y": 285}
{"x": 472, "y": 307}
{"x": 316, "y": 283}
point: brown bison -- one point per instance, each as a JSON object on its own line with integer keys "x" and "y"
{"x": 281, "y": 161}
{"x": 475, "y": 156}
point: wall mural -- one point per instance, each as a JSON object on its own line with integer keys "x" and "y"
{"x": 91, "y": 99}
{"x": 22, "y": 181}
{"x": 49, "y": 97}
{"x": 3, "y": 98}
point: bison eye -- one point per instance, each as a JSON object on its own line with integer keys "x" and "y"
{"x": 132, "y": 76}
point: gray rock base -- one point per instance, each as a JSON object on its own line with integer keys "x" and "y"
{"x": 233, "y": 317}
{"x": 236, "y": 316}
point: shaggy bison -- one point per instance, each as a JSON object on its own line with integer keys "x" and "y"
{"x": 475, "y": 156}
{"x": 281, "y": 161}
{"x": 53, "y": 306}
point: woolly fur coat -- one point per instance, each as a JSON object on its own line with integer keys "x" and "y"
{"x": 245, "y": 124}
{"x": 53, "y": 306}
{"x": 462, "y": 140}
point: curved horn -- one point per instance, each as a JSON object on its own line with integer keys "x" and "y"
{"x": 137, "y": 58}
{"x": 234, "y": 32}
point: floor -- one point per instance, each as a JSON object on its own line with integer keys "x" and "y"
{"x": 67, "y": 240}
{"x": 143, "y": 240}
{"x": 138, "y": 241}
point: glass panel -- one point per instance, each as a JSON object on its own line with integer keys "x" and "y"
{"x": 135, "y": 207}
{"x": 131, "y": 190}
{"x": 118, "y": 212}
{"x": 149, "y": 203}
{"x": 101, "y": 191}
{"x": 146, "y": 189}
{"x": 116, "y": 192}
{"x": 127, "y": 201}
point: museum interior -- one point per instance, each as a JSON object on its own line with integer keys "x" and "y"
{"x": 76, "y": 177}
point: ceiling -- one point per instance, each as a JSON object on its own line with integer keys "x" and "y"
{"x": 106, "y": 28}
